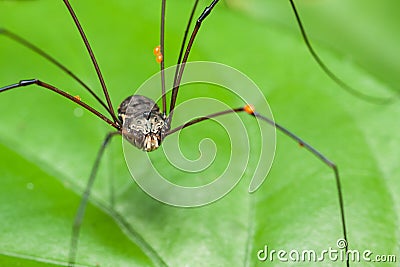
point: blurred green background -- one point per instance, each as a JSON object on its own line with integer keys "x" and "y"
{"x": 47, "y": 146}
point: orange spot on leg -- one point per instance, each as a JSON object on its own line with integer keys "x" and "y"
{"x": 158, "y": 54}
{"x": 77, "y": 97}
{"x": 159, "y": 58}
{"x": 249, "y": 109}
{"x": 157, "y": 50}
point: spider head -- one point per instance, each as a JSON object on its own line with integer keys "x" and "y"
{"x": 143, "y": 124}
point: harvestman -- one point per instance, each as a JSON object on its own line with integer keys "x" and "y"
{"x": 155, "y": 125}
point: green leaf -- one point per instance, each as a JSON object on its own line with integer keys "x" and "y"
{"x": 47, "y": 148}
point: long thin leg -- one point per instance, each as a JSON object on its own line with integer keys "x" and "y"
{"x": 207, "y": 11}
{"x": 200, "y": 119}
{"x": 92, "y": 57}
{"x": 162, "y": 32}
{"x": 250, "y": 110}
{"x": 184, "y": 40}
{"x": 174, "y": 95}
{"x": 82, "y": 206}
{"x": 51, "y": 59}
{"x": 324, "y": 67}
{"x": 64, "y": 94}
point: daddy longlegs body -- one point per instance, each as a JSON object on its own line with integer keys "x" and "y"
{"x": 151, "y": 142}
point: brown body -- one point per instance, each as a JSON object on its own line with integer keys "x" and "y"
{"x": 143, "y": 124}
